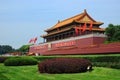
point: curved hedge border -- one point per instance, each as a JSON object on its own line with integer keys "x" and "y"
{"x": 20, "y": 61}
{"x": 64, "y": 65}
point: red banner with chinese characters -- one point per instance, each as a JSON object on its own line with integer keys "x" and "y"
{"x": 64, "y": 44}
{"x": 40, "y": 47}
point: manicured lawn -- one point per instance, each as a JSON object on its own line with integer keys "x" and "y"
{"x": 31, "y": 73}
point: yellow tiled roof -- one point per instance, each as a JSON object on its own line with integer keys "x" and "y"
{"x": 67, "y": 21}
{"x": 77, "y": 18}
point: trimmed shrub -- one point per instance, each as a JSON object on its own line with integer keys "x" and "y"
{"x": 64, "y": 65}
{"x": 20, "y": 61}
{"x": 2, "y": 59}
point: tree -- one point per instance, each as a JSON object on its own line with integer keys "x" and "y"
{"x": 113, "y": 32}
{"x": 24, "y": 49}
{"x": 110, "y": 30}
{"x": 116, "y": 36}
{"x": 6, "y": 49}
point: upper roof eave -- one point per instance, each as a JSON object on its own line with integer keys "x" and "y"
{"x": 74, "y": 18}
{"x": 64, "y": 22}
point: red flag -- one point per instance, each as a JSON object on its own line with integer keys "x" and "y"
{"x": 91, "y": 25}
{"x": 35, "y": 39}
{"x": 84, "y": 27}
{"x": 76, "y": 31}
{"x": 31, "y": 40}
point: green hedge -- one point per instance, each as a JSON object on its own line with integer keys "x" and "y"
{"x": 104, "y": 59}
{"x": 115, "y": 65}
{"x": 42, "y": 58}
{"x": 91, "y": 58}
{"x": 20, "y": 61}
{"x": 112, "y": 61}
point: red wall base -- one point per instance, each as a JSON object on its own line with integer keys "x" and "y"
{"x": 92, "y": 49}
{"x": 90, "y": 45}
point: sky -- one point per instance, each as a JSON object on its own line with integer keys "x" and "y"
{"x": 21, "y": 20}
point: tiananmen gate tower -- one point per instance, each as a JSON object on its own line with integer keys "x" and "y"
{"x": 80, "y": 34}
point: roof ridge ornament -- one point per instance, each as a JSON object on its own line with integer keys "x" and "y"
{"x": 58, "y": 21}
{"x": 85, "y": 11}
